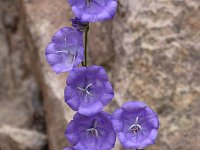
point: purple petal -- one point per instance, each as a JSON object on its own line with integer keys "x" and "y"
{"x": 134, "y": 106}
{"x": 91, "y": 110}
{"x": 51, "y": 48}
{"x": 106, "y": 98}
{"x": 54, "y": 59}
{"x": 117, "y": 125}
{"x": 117, "y": 113}
{"x": 74, "y": 103}
{"x": 152, "y": 118}
{"x": 150, "y": 139}
{"x": 73, "y": 138}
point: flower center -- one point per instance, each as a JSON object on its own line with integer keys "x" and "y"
{"x": 88, "y": 2}
{"x": 135, "y": 128}
{"x": 93, "y": 131}
{"x": 71, "y": 53}
{"x": 86, "y": 89}
{"x": 71, "y": 56}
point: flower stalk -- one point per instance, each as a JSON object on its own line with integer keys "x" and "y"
{"x": 85, "y": 46}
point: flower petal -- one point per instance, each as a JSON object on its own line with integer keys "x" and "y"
{"x": 134, "y": 106}
{"x": 91, "y": 110}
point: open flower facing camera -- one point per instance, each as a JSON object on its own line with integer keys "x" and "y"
{"x": 88, "y": 90}
{"x": 91, "y": 133}
{"x": 136, "y": 125}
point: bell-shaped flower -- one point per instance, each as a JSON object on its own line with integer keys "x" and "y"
{"x": 91, "y": 133}
{"x": 65, "y": 51}
{"x": 88, "y": 90}
{"x": 93, "y": 10}
{"x": 136, "y": 125}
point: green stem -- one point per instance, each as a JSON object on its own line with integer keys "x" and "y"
{"x": 85, "y": 48}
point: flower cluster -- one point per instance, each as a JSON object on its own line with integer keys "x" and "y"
{"x": 88, "y": 90}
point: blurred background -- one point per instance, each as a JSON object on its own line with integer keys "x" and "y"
{"x": 151, "y": 51}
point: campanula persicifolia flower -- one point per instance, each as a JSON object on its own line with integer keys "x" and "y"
{"x": 92, "y": 133}
{"x": 88, "y": 90}
{"x": 65, "y": 51}
{"x": 82, "y": 26}
{"x": 136, "y": 125}
{"x": 93, "y": 10}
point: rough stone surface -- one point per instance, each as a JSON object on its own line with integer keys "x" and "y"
{"x": 150, "y": 50}
{"x": 21, "y": 139}
{"x": 20, "y": 100}
{"x": 42, "y": 20}
{"x": 156, "y": 43}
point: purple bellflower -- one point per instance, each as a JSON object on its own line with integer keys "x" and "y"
{"x": 136, "y": 125}
{"x": 65, "y": 51}
{"x": 93, "y": 10}
{"x": 88, "y": 90}
{"x": 91, "y": 133}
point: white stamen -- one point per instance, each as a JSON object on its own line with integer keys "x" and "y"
{"x": 95, "y": 124}
{"x": 88, "y": 85}
{"x": 62, "y": 52}
{"x": 136, "y": 126}
{"x": 89, "y": 93}
{"x": 136, "y": 120}
{"x": 82, "y": 89}
{"x": 65, "y": 42}
{"x": 85, "y": 89}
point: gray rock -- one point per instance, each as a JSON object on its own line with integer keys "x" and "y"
{"x": 40, "y": 25}
{"x": 21, "y": 139}
{"x": 157, "y": 61}
{"x": 20, "y": 101}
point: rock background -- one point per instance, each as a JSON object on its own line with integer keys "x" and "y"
{"x": 151, "y": 51}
